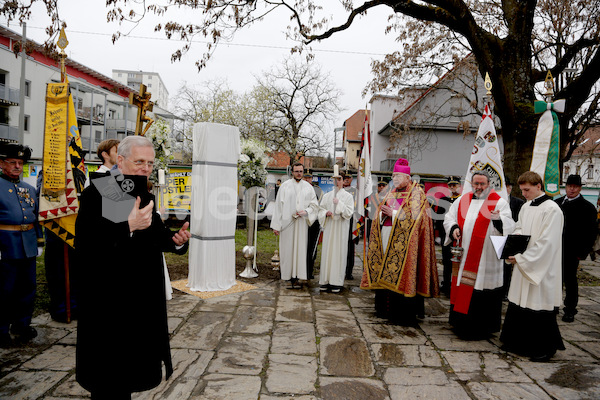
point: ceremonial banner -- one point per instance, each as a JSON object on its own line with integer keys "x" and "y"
{"x": 364, "y": 183}
{"x": 546, "y": 149}
{"x": 486, "y": 157}
{"x": 61, "y": 182}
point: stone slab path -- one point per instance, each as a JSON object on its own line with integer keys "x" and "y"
{"x": 278, "y": 343}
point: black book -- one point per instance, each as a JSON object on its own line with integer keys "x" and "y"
{"x": 515, "y": 244}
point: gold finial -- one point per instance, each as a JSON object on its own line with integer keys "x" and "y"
{"x": 62, "y": 43}
{"x": 549, "y": 84}
{"x": 488, "y": 84}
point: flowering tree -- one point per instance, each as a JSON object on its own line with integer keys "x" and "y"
{"x": 252, "y": 164}
{"x": 159, "y": 134}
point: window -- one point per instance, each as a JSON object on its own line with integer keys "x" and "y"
{"x": 27, "y": 88}
{"x": 149, "y": 85}
{"x": 98, "y": 137}
{"x": 111, "y": 114}
{"x": 26, "y": 123}
{"x": 590, "y": 171}
{"x": 567, "y": 170}
{"x": 149, "y": 77}
{"x": 120, "y": 75}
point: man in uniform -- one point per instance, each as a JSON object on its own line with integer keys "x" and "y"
{"x": 295, "y": 210}
{"x": 122, "y": 332}
{"x": 442, "y": 209}
{"x": 476, "y": 294}
{"x": 579, "y": 235}
{"x": 530, "y": 327}
{"x": 20, "y": 243}
{"x": 401, "y": 235}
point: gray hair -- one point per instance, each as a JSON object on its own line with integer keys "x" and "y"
{"x": 482, "y": 173}
{"x": 129, "y": 142}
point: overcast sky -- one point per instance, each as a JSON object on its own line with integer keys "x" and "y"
{"x": 346, "y": 56}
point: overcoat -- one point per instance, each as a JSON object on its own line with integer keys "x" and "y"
{"x": 122, "y": 334}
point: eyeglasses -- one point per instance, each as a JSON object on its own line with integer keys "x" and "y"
{"x": 140, "y": 163}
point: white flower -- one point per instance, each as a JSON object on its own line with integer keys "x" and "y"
{"x": 244, "y": 158}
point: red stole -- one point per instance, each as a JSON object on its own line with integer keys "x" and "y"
{"x": 460, "y": 296}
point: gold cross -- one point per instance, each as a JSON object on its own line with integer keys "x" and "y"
{"x": 143, "y": 103}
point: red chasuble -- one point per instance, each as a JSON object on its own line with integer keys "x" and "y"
{"x": 460, "y": 296}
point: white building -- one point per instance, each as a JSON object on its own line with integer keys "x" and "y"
{"x": 152, "y": 80}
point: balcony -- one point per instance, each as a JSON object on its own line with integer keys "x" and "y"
{"x": 84, "y": 113}
{"x": 119, "y": 125}
{"x": 9, "y": 132}
{"x": 9, "y": 95}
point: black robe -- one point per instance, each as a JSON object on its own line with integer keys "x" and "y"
{"x": 122, "y": 334}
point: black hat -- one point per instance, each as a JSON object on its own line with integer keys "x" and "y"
{"x": 10, "y": 149}
{"x": 454, "y": 180}
{"x": 574, "y": 180}
{"x": 382, "y": 182}
{"x": 307, "y": 174}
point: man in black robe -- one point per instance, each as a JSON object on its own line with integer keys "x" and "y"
{"x": 122, "y": 335}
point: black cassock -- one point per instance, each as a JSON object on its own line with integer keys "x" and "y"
{"x": 122, "y": 333}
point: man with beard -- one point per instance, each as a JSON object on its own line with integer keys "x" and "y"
{"x": 401, "y": 264}
{"x": 122, "y": 333}
{"x": 295, "y": 210}
{"x": 476, "y": 293}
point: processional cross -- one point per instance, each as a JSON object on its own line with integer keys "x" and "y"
{"x": 143, "y": 103}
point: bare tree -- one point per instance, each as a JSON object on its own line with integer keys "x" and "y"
{"x": 298, "y": 98}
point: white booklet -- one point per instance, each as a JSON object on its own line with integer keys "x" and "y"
{"x": 498, "y": 242}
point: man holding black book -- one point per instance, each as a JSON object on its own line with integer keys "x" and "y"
{"x": 122, "y": 333}
{"x": 476, "y": 291}
{"x": 530, "y": 327}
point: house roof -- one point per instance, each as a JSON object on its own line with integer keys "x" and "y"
{"x": 354, "y": 126}
{"x": 71, "y": 64}
{"x": 589, "y": 143}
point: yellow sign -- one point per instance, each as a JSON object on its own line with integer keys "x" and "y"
{"x": 55, "y": 138}
{"x": 177, "y": 193}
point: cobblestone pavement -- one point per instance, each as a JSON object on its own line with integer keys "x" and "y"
{"x": 278, "y": 343}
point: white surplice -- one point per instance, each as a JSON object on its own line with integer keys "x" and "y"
{"x": 491, "y": 269}
{"x": 293, "y": 238}
{"x": 335, "y": 236}
{"x": 537, "y": 277}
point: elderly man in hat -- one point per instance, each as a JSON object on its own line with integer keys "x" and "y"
{"x": 20, "y": 243}
{"x": 579, "y": 233}
{"x": 401, "y": 264}
{"x": 476, "y": 293}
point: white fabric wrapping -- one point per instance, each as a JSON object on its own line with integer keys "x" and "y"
{"x": 214, "y": 207}
{"x": 491, "y": 269}
{"x": 335, "y": 236}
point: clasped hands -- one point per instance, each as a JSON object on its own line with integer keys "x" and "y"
{"x": 141, "y": 218}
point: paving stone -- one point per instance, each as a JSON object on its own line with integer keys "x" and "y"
{"x": 330, "y": 301}
{"x": 202, "y": 330}
{"x": 366, "y": 315}
{"x": 375, "y": 333}
{"x": 572, "y": 353}
{"x": 345, "y": 356}
{"x": 395, "y": 355}
{"x": 182, "y": 306}
{"x": 565, "y": 380}
{"x": 173, "y": 323}
{"x": 507, "y": 391}
{"x": 188, "y": 368}
{"x": 333, "y": 388}
{"x": 451, "y": 342}
{"x": 70, "y": 339}
{"x": 225, "y": 387}
{"x": 291, "y": 374}
{"x": 580, "y": 333}
{"x": 591, "y": 347}
{"x": 56, "y": 358}
{"x": 436, "y": 327}
{"x": 29, "y": 384}
{"x": 291, "y": 308}
{"x": 451, "y": 391}
{"x": 216, "y": 307}
{"x": 292, "y": 397}
{"x": 415, "y": 376}
{"x": 294, "y": 338}
{"x": 70, "y": 388}
{"x": 259, "y": 298}
{"x": 336, "y": 323}
{"x": 248, "y": 319}
{"x": 362, "y": 302}
{"x": 241, "y": 355}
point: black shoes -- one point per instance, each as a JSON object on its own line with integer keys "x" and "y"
{"x": 542, "y": 358}
{"x": 568, "y": 317}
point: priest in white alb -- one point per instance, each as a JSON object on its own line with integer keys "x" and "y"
{"x": 476, "y": 291}
{"x": 295, "y": 210}
{"x": 530, "y": 327}
{"x": 335, "y": 214}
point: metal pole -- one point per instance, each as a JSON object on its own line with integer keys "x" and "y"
{"x": 22, "y": 86}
